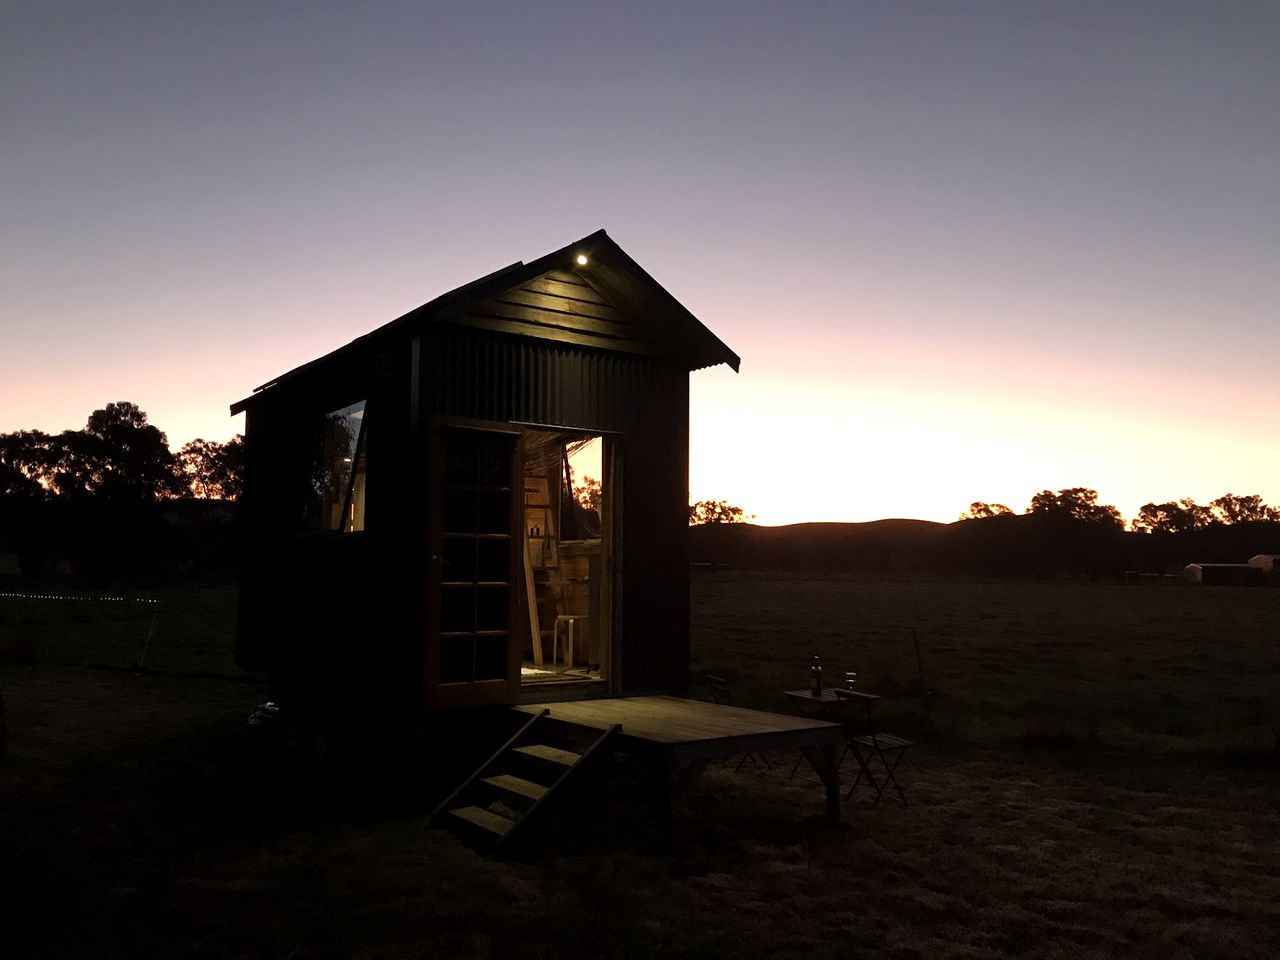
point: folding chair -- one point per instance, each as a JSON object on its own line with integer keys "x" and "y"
{"x": 868, "y": 745}
{"x": 804, "y": 704}
{"x": 720, "y": 694}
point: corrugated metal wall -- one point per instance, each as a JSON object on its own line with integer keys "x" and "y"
{"x": 488, "y": 377}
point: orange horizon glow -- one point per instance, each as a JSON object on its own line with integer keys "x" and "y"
{"x": 877, "y": 426}
{"x": 875, "y": 443}
{"x": 844, "y": 421}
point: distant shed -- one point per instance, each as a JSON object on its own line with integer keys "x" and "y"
{"x": 1224, "y": 574}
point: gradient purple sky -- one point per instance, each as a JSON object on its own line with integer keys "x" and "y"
{"x": 966, "y": 250}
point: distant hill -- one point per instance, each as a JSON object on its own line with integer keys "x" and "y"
{"x": 1011, "y": 545}
{"x": 877, "y": 546}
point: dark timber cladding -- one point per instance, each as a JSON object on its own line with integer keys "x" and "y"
{"x": 345, "y": 605}
{"x": 560, "y": 305}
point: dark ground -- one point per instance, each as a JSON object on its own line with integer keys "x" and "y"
{"x": 140, "y": 816}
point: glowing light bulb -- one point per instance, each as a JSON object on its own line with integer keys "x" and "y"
{"x": 582, "y": 259}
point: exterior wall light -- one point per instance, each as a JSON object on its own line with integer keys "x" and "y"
{"x": 582, "y": 259}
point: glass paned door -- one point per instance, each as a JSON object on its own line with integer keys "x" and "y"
{"x": 473, "y": 567}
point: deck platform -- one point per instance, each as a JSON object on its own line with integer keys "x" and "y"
{"x": 682, "y": 734}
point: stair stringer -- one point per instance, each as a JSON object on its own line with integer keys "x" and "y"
{"x": 466, "y": 809}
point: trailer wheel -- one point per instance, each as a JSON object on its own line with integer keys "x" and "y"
{"x": 294, "y": 730}
{"x": 306, "y": 735}
{"x": 321, "y": 743}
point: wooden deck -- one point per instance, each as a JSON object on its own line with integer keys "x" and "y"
{"x": 683, "y": 733}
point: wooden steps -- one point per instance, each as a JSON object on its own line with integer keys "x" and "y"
{"x": 540, "y": 751}
{"x": 516, "y": 787}
{"x": 543, "y": 762}
{"x": 493, "y": 823}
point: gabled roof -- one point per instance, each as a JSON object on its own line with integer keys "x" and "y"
{"x": 608, "y": 270}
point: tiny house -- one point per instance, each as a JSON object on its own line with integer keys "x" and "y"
{"x": 483, "y": 501}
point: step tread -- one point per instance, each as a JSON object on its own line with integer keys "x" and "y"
{"x": 517, "y": 785}
{"x": 541, "y": 751}
{"x": 479, "y": 817}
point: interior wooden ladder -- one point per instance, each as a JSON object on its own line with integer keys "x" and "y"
{"x": 546, "y": 756}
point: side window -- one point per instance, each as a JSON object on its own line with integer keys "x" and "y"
{"x": 336, "y": 485}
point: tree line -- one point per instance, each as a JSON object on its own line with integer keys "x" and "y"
{"x": 1182, "y": 516}
{"x": 112, "y": 498}
{"x": 716, "y": 511}
{"x": 1063, "y": 533}
{"x": 1069, "y": 531}
{"x": 118, "y": 455}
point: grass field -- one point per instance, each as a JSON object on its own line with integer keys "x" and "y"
{"x": 1095, "y": 777}
{"x": 1174, "y": 668}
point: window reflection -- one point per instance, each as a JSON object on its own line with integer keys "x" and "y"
{"x": 336, "y": 494}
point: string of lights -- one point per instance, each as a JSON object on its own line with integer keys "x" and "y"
{"x": 63, "y": 596}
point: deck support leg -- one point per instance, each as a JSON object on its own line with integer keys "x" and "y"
{"x": 665, "y": 784}
{"x": 823, "y": 761}
{"x": 690, "y": 774}
{"x": 672, "y": 781}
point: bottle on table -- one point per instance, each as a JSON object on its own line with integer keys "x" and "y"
{"x": 815, "y": 677}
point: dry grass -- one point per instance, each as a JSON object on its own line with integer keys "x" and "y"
{"x": 137, "y": 817}
{"x": 1164, "y": 668}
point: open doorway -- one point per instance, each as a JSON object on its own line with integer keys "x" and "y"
{"x": 567, "y": 510}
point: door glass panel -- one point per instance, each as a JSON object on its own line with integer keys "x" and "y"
{"x": 494, "y": 468}
{"x": 458, "y": 609}
{"x": 455, "y": 659}
{"x": 494, "y": 511}
{"x": 493, "y": 560}
{"x": 491, "y": 608}
{"x": 491, "y": 658}
{"x": 459, "y": 558}
{"x": 459, "y": 511}
{"x": 459, "y": 465}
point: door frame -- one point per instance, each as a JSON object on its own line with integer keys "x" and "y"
{"x": 607, "y": 619}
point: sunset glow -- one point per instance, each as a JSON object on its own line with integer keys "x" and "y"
{"x": 965, "y": 252}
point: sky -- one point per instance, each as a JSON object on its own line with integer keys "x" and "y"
{"x": 966, "y": 251}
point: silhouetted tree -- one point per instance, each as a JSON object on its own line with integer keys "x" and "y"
{"x": 23, "y": 507}
{"x": 100, "y": 500}
{"x": 23, "y": 458}
{"x": 117, "y": 455}
{"x": 1077, "y": 503}
{"x": 127, "y": 457}
{"x": 1180, "y": 517}
{"x": 1070, "y": 531}
{"x": 214, "y": 471}
{"x": 1230, "y": 508}
{"x": 588, "y": 494}
{"x": 714, "y": 511}
{"x": 980, "y": 511}
{"x": 72, "y": 465}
